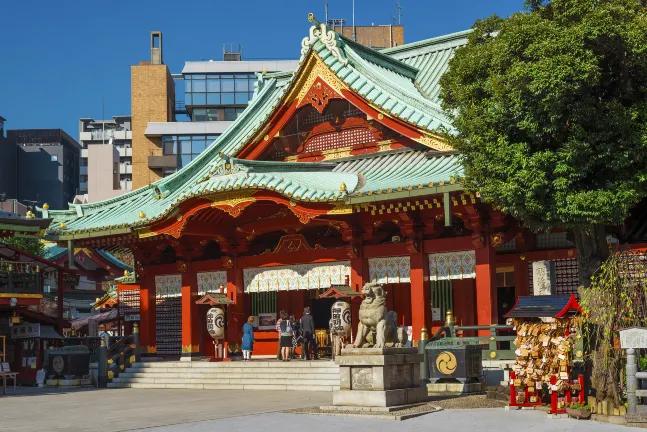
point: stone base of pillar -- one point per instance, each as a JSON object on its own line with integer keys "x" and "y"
{"x": 379, "y": 377}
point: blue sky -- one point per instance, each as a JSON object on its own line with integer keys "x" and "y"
{"x": 59, "y": 58}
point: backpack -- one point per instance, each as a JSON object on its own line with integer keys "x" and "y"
{"x": 286, "y": 329}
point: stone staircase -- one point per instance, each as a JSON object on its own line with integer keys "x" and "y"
{"x": 299, "y": 375}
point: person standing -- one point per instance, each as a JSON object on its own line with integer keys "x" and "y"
{"x": 296, "y": 335}
{"x": 285, "y": 336}
{"x": 248, "y": 339}
{"x": 309, "y": 338}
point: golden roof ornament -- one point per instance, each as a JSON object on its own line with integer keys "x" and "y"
{"x": 29, "y": 215}
{"x": 342, "y": 187}
{"x": 126, "y": 273}
{"x": 142, "y": 215}
{"x": 45, "y": 206}
{"x": 62, "y": 226}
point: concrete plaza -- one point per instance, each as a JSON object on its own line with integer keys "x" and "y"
{"x": 158, "y": 410}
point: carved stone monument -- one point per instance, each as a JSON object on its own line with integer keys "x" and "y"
{"x": 376, "y": 371}
{"x": 379, "y": 377}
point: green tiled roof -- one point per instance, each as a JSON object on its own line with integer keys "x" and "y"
{"x": 382, "y": 79}
{"x": 52, "y": 252}
{"x": 431, "y": 58}
{"x": 402, "y": 170}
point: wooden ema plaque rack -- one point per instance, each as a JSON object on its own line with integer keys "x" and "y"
{"x": 548, "y": 341}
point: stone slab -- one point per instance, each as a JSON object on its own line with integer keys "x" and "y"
{"x": 379, "y": 398}
{"x": 377, "y": 351}
{"x": 369, "y": 409}
{"x": 378, "y": 359}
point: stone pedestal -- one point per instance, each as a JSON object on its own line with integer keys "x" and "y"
{"x": 379, "y": 377}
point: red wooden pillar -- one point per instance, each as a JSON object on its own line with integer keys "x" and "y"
{"x": 59, "y": 301}
{"x": 147, "y": 314}
{"x": 236, "y": 313}
{"x": 358, "y": 277}
{"x": 420, "y": 294}
{"x": 521, "y": 287}
{"x": 486, "y": 301}
{"x": 190, "y": 315}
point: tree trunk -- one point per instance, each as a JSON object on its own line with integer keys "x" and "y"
{"x": 592, "y": 250}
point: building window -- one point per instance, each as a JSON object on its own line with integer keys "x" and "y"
{"x": 54, "y": 158}
{"x": 187, "y": 147}
{"x": 263, "y": 302}
{"x": 204, "y": 114}
{"x": 168, "y": 171}
{"x": 232, "y": 114}
{"x": 218, "y": 89}
{"x": 442, "y": 297}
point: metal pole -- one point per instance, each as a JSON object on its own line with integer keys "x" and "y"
{"x": 102, "y": 373}
{"x": 632, "y": 381}
{"x": 59, "y": 301}
{"x": 424, "y": 366}
{"x": 138, "y": 356}
{"x": 354, "y": 34}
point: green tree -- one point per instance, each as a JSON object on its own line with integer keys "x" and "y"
{"x": 550, "y": 111}
{"x": 32, "y": 245}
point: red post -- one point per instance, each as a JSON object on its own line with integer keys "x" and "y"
{"x": 513, "y": 389}
{"x": 190, "y": 322}
{"x": 358, "y": 277}
{"x": 486, "y": 298}
{"x": 580, "y": 378}
{"x": 553, "y": 395}
{"x": 59, "y": 301}
{"x": 235, "y": 313}
{"x": 147, "y": 314}
{"x": 420, "y": 294}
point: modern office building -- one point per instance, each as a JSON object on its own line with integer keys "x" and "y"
{"x": 9, "y": 171}
{"x": 168, "y": 134}
{"x": 48, "y": 166}
{"x": 117, "y": 133}
{"x": 374, "y": 36}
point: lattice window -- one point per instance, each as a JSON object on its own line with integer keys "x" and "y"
{"x": 553, "y": 241}
{"x": 344, "y": 138}
{"x": 442, "y": 296}
{"x": 129, "y": 302}
{"x": 567, "y": 276}
{"x": 263, "y": 302}
{"x": 168, "y": 325}
{"x": 510, "y": 246}
{"x": 314, "y": 118}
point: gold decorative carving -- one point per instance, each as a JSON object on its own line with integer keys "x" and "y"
{"x": 151, "y": 349}
{"x": 111, "y": 374}
{"x": 434, "y": 141}
{"x": 132, "y": 359}
{"x": 233, "y": 202}
{"x": 340, "y": 208}
{"x": 187, "y": 349}
{"x": 313, "y": 69}
{"x": 292, "y": 243}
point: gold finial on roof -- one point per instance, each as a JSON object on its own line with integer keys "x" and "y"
{"x": 126, "y": 273}
{"x": 342, "y": 187}
{"x": 29, "y": 215}
{"x": 45, "y": 206}
{"x": 311, "y": 17}
{"x": 62, "y": 226}
{"x": 142, "y": 215}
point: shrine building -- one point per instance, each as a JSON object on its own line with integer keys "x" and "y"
{"x": 336, "y": 173}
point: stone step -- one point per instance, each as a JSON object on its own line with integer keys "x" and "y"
{"x": 225, "y": 375}
{"x": 259, "y": 381}
{"x": 234, "y": 370}
{"x": 237, "y": 364}
{"x": 284, "y": 387}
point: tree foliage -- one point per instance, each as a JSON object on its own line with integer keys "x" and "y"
{"x": 32, "y": 245}
{"x": 550, "y": 114}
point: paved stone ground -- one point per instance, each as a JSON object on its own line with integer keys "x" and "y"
{"x": 482, "y": 420}
{"x": 144, "y": 410}
{"x": 115, "y": 410}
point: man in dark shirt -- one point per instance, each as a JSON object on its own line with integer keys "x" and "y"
{"x": 309, "y": 339}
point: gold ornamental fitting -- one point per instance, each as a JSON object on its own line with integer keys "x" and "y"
{"x": 45, "y": 206}
{"x": 450, "y": 321}
{"x": 342, "y": 187}
{"x": 29, "y": 215}
{"x": 423, "y": 334}
{"x": 126, "y": 273}
{"x": 142, "y": 215}
{"x": 135, "y": 328}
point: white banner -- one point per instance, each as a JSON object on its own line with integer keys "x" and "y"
{"x": 296, "y": 277}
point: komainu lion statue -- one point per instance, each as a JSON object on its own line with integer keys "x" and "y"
{"x": 374, "y": 318}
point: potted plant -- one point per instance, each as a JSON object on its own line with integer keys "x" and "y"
{"x": 579, "y": 411}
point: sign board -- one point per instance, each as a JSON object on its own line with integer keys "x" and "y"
{"x": 132, "y": 317}
{"x": 543, "y": 278}
{"x": 93, "y": 327}
{"x": 435, "y": 314}
{"x": 24, "y": 331}
{"x": 267, "y": 321}
{"x": 634, "y": 337}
